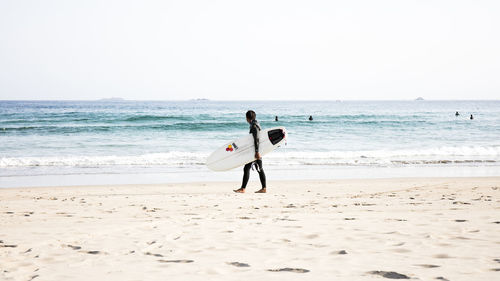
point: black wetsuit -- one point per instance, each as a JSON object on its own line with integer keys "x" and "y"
{"x": 254, "y": 130}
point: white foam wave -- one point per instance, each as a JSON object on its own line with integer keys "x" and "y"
{"x": 170, "y": 159}
{"x": 443, "y": 155}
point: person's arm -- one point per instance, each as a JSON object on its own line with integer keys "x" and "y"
{"x": 253, "y": 130}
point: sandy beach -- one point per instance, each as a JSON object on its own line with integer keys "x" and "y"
{"x": 369, "y": 229}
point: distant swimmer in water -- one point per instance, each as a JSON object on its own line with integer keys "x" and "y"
{"x": 276, "y": 118}
{"x": 310, "y": 118}
{"x": 471, "y": 117}
{"x": 457, "y": 114}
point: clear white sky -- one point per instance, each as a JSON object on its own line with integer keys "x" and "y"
{"x": 232, "y": 50}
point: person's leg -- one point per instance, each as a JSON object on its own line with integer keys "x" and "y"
{"x": 262, "y": 176}
{"x": 246, "y": 176}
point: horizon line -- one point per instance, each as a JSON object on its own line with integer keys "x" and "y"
{"x": 242, "y": 100}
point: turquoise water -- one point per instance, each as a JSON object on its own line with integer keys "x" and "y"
{"x": 91, "y": 137}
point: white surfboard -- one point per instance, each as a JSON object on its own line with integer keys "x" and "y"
{"x": 241, "y": 151}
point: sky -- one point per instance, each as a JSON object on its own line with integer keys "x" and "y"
{"x": 249, "y": 50}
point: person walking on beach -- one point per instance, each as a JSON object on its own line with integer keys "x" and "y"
{"x": 257, "y": 163}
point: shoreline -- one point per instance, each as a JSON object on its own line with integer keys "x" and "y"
{"x": 255, "y": 182}
{"x": 183, "y": 175}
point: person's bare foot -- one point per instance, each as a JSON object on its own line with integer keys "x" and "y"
{"x": 240, "y": 190}
{"x": 262, "y": 190}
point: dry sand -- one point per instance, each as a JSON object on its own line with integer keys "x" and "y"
{"x": 370, "y": 229}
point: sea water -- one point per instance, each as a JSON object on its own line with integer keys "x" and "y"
{"x": 73, "y": 142}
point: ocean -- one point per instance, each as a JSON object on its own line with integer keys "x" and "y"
{"x": 87, "y": 142}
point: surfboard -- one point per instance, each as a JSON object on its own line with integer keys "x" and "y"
{"x": 241, "y": 151}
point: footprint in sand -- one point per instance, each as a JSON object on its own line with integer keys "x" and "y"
{"x": 401, "y": 250}
{"x": 389, "y": 274}
{"x": 312, "y": 236}
{"x": 288, "y": 269}
{"x": 442, "y": 256}
{"x": 74, "y": 247}
{"x": 239, "y": 264}
{"x": 93, "y": 252}
{"x": 177, "y": 261}
{"x": 428, "y": 265}
{"x": 460, "y": 203}
{"x": 155, "y": 255}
